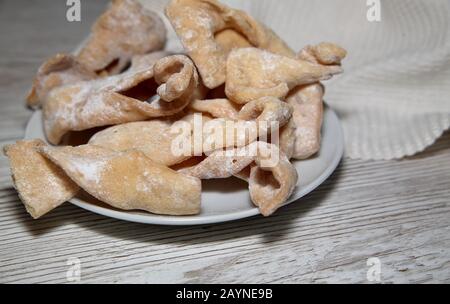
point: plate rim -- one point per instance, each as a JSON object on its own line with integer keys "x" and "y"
{"x": 161, "y": 220}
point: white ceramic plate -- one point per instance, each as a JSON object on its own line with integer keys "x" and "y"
{"x": 227, "y": 200}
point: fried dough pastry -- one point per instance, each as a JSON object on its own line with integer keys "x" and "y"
{"x": 271, "y": 184}
{"x": 217, "y": 108}
{"x": 128, "y": 180}
{"x": 268, "y": 112}
{"x": 222, "y": 164}
{"x": 124, "y": 30}
{"x": 307, "y": 101}
{"x": 122, "y": 98}
{"x": 209, "y": 30}
{"x": 263, "y": 109}
{"x": 253, "y": 73}
{"x": 154, "y": 138}
{"x": 257, "y": 119}
{"x": 139, "y": 62}
{"x": 325, "y": 53}
{"x": 42, "y": 186}
{"x": 61, "y": 69}
{"x": 288, "y": 137}
{"x": 271, "y": 187}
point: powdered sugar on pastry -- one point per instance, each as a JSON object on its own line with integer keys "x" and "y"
{"x": 126, "y": 29}
{"x": 60, "y": 70}
{"x": 270, "y": 185}
{"x": 154, "y": 138}
{"x": 90, "y": 170}
{"x": 128, "y": 180}
{"x": 122, "y": 98}
{"x": 307, "y": 101}
{"x": 209, "y": 30}
{"x": 218, "y": 108}
{"x": 41, "y": 185}
{"x": 253, "y": 73}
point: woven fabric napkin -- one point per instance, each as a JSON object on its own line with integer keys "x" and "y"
{"x": 394, "y": 97}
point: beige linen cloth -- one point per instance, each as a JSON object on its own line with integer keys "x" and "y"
{"x": 394, "y": 98}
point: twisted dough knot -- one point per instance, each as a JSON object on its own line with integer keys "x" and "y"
{"x": 123, "y": 98}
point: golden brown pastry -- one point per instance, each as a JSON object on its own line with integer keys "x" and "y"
{"x": 256, "y": 120}
{"x": 61, "y": 69}
{"x": 139, "y": 62}
{"x": 209, "y": 30}
{"x": 253, "y": 73}
{"x": 272, "y": 177}
{"x": 154, "y": 138}
{"x": 217, "y": 108}
{"x": 268, "y": 112}
{"x": 126, "y": 97}
{"x": 222, "y": 164}
{"x": 271, "y": 187}
{"x": 42, "y": 186}
{"x": 307, "y": 101}
{"x": 288, "y": 138}
{"x": 171, "y": 141}
{"x": 325, "y": 53}
{"x": 168, "y": 141}
{"x": 128, "y": 180}
{"x": 124, "y": 30}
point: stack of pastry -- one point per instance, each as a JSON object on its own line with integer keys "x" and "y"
{"x": 123, "y": 87}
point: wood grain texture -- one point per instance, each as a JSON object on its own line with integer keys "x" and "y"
{"x": 397, "y": 211}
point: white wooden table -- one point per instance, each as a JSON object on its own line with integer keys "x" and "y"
{"x": 396, "y": 211}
